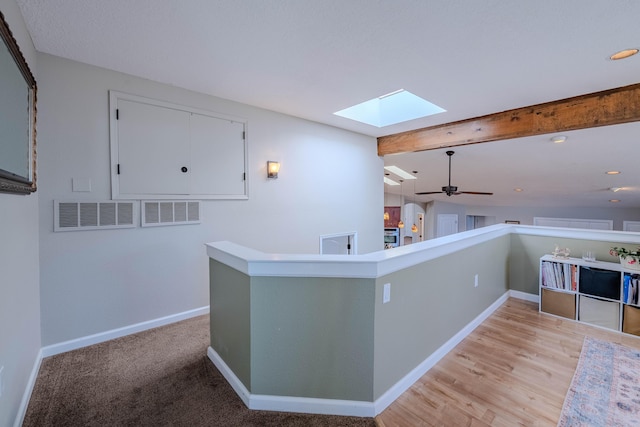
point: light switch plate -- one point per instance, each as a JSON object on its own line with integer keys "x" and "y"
{"x": 386, "y": 293}
{"x": 81, "y": 184}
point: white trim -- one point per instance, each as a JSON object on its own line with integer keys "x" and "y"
{"x": 377, "y": 264}
{"x": 309, "y": 405}
{"x": 370, "y": 265}
{"x": 577, "y": 233}
{"x": 305, "y": 405}
{"x": 26, "y": 396}
{"x": 228, "y": 374}
{"x": 524, "y": 296}
{"x": 74, "y": 344}
{"x": 54, "y": 349}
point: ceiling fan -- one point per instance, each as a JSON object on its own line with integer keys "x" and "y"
{"x": 452, "y": 189}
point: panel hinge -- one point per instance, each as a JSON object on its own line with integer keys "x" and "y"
{"x": 244, "y": 176}
{"x": 118, "y": 169}
{"x": 244, "y": 134}
{"x": 117, "y": 114}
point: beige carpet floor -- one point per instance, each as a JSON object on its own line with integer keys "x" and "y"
{"x": 160, "y": 377}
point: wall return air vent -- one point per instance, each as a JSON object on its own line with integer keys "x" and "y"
{"x": 169, "y": 212}
{"x": 92, "y": 215}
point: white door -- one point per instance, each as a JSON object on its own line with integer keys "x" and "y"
{"x": 420, "y": 236}
{"x": 152, "y": 149}
{"x": 338, "y": 244}
{"x": 447, "y": 224}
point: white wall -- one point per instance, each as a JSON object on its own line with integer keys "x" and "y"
{"x": 19, "y": 288}
{"x": 95, "y": 281}
{"x": 526, "y": 215}
{"x": 500, "y": 214}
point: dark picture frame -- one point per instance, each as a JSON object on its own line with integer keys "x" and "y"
{"x": 17, "y": 117}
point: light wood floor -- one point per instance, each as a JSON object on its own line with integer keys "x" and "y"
{"x": 514, "y": 369}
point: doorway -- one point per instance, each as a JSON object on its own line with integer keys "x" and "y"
{"x": 339, "y": 244}
{"x": 447, "y": 224}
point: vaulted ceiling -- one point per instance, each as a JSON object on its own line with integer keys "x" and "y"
{"x": 312, "y": 58}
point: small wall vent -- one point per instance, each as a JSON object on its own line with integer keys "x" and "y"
{"x": 168, "y": 212}
{"x": 84, "y": 215}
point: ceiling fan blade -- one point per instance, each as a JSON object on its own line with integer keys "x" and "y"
{"x": 476, "y": 192}
{"x": 452, "y": 190}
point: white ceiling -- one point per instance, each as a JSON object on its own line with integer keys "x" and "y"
{"x": 310, "y": 58}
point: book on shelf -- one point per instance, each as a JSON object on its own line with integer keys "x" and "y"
{"x": 559, "y": 275}
{"x": 625, "y": 288}
{"x": 633, "y": 289}
{"x": 630, "y": 285}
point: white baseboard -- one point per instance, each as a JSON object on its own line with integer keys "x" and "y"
{"x": 525, "y": 296}
{"x": 24, "y": 403}
{"x": 348, "y": 407}
{"x": 74, "y": 344}
{"x": 403, "y": 385}
{"x": 305, "y": 405}
{"x": 63, "y": 347}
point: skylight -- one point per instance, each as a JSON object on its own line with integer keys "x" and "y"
{"x": 400, "y": 172}
{"x": 395, "y": 107}
{"x": 389, "y": 181}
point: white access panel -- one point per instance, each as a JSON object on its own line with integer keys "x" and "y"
{"x": 218, "y": 164}
{"x": 161, "y": 150}
{"x": 339, "y": 244}
{"x": 152, "y": 149}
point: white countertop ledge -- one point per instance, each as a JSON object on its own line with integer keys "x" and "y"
{"x": 377, "y": 264}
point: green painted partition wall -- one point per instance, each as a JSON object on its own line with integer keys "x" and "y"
{"x": 312, "y": 337}
{"x": 230, "y": 316}
{"x": 294, "y": 336}
{"x": 333, "y": 338}
{"x": 430, "y": 303}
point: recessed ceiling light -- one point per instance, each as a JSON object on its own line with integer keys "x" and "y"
{"x": 614, "y": 201}
{"x": 400, "y": 172}
{"x": 558, "y": 139}
{"x": 389, "y": 181}
{"x": 395, "y": 107}
{"x": 518, "y": 190}
{"x": 613, "y": 172}
{"x": 623, "y": 54}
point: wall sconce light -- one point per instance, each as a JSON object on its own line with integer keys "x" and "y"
{"x": 272, "y": 169}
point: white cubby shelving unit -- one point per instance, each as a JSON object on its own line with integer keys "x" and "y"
{"x": 599, "y": 293}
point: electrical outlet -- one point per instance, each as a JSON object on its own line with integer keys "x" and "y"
{"x": 475, "y": 281}
{"x": 386, "y": 293}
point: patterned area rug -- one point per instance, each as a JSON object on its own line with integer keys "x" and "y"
{"x": 605, "y": 390}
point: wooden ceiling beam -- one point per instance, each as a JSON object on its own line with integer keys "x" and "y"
{"x": 609, "y": 107}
